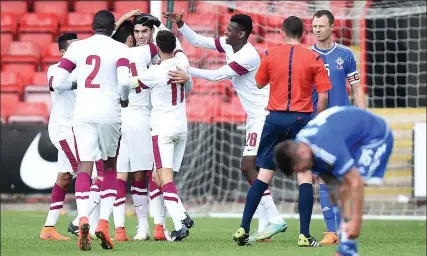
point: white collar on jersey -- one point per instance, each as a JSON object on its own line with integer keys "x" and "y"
{"x": 323, "y": 52}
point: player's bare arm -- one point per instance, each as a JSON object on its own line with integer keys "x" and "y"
{"x": 224, "y": 72}
{"x": 126, "y": 16}
{"x": 179, "y": 76}
{"x": 354, "y": 182}
{"x": 358, "y": 95}
{"x": 174, "y": 17}
{"x": 322, "y": 103}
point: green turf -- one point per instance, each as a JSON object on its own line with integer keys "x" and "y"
{"x": 20, "y": 236}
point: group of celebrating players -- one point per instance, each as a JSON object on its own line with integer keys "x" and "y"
{"x": 119, "y": 106}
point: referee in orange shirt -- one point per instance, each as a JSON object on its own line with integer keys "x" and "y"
{"x": 291, "y": 70}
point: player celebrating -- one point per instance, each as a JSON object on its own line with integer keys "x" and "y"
{"x": 168, "y": 138}
{"x": 243, "y": 61}
{"x": 102, "y": 66}
{"x": 358, "y": 154}
{"x": 341, "y": 66}
{"x": 291, "y": 71}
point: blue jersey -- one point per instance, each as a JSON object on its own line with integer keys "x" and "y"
{"x": 345, "y": 137}
{"x": 341, "y": 66}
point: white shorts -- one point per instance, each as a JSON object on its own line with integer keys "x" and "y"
{"x": 68, "y": 160}
{"x": 168, "y": 150}
{"x": 253, "y": 135}
{"x": 135, "y": 152}
{"x": 96, "y": 140}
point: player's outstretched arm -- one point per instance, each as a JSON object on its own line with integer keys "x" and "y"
{"x": 224, "y": 72}
{"x": 355, "y": 183}
{"x": 194, "y": 38}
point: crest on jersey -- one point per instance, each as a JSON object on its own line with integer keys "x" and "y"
{"x": 340, "y": 62}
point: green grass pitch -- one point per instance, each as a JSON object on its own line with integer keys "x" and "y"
{"x": 20, "y": 236}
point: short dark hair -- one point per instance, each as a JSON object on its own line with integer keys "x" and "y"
{"x": 123, "y": 31}
{"x": 166, "y": 41}
{"x": 284, "y": 156}
{"x": 326, "y": 13}
{"x": 64, "y": 38}
{"x": 244, "y": 21}
{"x": 140, "y": 20}
{"x": 293, "y": 27}
{"x": 103, "y": 21}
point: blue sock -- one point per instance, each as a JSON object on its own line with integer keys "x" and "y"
{"x": 252, "y": 201}
{"x": 305, "y": 208}
{"x": 327, "y": 210}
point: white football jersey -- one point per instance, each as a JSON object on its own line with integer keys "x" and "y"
{"x": 101, "y": 64}
{"x": 61, "y": 113}
{"x": 244, "y": 63}
{"x": 168, "y": 115}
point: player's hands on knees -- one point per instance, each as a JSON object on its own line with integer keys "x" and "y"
{"x": 174, "y": 17}
{"x": 353, "y": 228}
{"x": 179, "y": 76}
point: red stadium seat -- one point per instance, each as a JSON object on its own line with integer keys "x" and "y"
{"x": 274, "y": 39}
{"x": 84, "y": 35}
{"x": 201, "y": 86}
{"x": 229, "y": 112}
{"x": 59, "y": 8}
{"x": 309, "y": 39}
{"x": 8, "y": 105}
{"x": 40, "y": 78}
{"x": 21, "y": 57}
{"x": 17, "y": 7}
{"x": 203, "y": 23}
{"x": 200, "y": 108}
{"x": 90, "y": 6}
{"x": 29, "y": 112}
{"x": 11, "y": 82}
{"x": 9, "y": 23}
{"x": 6, "y": 39}
{"x": 50, "y": 56}
{"x": 38, "y": 28}
{"x": 78, "y": 22}
{"x": 125, "y": 6}
{"x": 38, "y": 90}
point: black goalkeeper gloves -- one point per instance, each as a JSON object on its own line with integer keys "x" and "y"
{"x": 151, "y": 20}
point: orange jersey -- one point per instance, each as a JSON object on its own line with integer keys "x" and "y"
{"x": 292, "y": 70}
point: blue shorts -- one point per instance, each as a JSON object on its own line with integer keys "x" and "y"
{"x": 278, "y": 126}
{"x": 371, "y": 160}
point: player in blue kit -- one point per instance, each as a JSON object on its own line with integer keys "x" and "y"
{"x": 341, "y": 66}
{"x": 345, "y": 157}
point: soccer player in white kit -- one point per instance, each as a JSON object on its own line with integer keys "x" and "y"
{"x": 168, "y": 125}
{"x": 135, "y": 154}
{"x": 103, "y": 84}
{"x": 242, "y": 64}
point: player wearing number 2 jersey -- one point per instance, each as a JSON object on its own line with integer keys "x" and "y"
{"x": 168, "y": 125}
{"x": 103, "y": 83}
{"x": 344, "y": 157}
{"x": 242, "y": 64}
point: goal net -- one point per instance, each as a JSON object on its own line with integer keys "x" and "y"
{"x": 388, "y": 39}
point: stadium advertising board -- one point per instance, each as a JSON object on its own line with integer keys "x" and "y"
{"x": 420, "y": 160}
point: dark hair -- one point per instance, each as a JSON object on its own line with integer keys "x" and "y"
{"x": 244, "y": 21}
{"x": 123, "y": 32}
{"x": 166, "y": 41}
{"x": 284, "y": 156}
{"x": 293, "y": 27}
{"x": 326, "y": 13}
{"x": 141, "y": 19}
{"x": 103, "y": 21}
{"x": 64, "y": 38}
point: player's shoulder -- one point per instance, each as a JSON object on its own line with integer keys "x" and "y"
{"x": 343, "y": 49}
{"x": 247, "y": 54}
{"x": 52, "y": 68}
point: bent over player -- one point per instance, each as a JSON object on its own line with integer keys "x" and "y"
{"x": 169, "y": 127}
{"x": 242, "y": 64}
{"x": 103, "y": 78}
{"x": 345, "y": 157}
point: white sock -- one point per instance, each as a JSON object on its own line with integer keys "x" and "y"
{"x": 82, "y": 205}
{"x": 119, "y": 212}
{"x": 140, "y": 202}
{"x": 157, "y": 207}
{"x": 171, "y": 198}
{"x": 269, "y": 205}
{"x": 94, "y": 219}
{"x": 53, "y": 215}
{"x": 261, "y": 213}
{"x": 181, "y": 205}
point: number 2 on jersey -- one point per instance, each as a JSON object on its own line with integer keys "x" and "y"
{"x": 96, "y": 61}
{"x": 174, "y": 88}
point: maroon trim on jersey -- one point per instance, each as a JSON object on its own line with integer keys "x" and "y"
{"x": 50, "y": 84}
{"x": 237, "y": 68}
{"x": 69, "y": 154}
{"x": 156, "y": 152}
{"x": 122, "y": 62}
{"x": 67, "y": 65}
{"x": 177, "y": 51}
{"x": 218, "y": 45}
{"x": 153, "y": 49}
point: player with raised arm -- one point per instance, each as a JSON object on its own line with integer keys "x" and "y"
{"x": 103, "y": 78}
{"x": 168, "y": 126}
{"x": 242, "y": 64}
{"x": 346, "y": 158}
{"x": 341, "y": 65}
{"x": 291, "y": 70}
